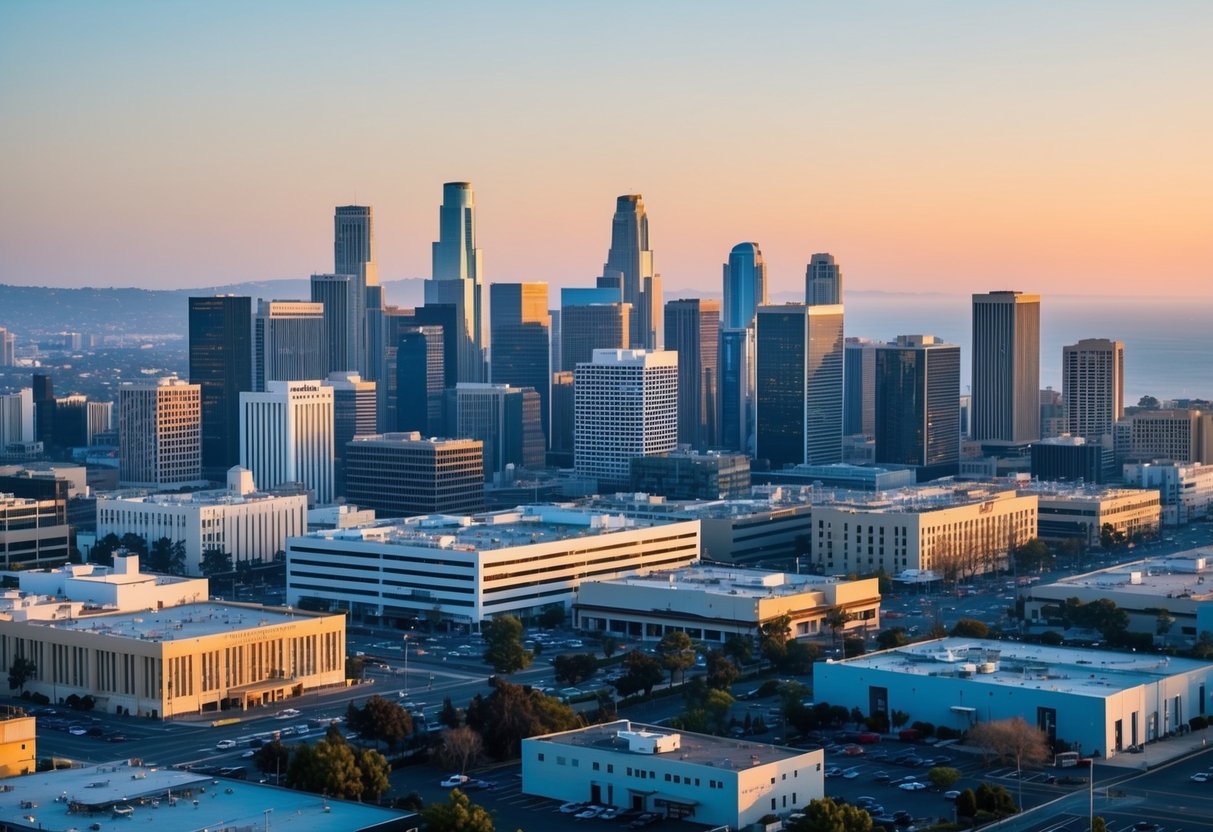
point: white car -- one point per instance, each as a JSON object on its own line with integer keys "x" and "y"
{"x": 1200, "y": 777}
{"x": 77, "y": 730}
{"x": 225, "y": 745}
{"x": 454, "y": 780}
{"x": 589, "y": 813}
{"x": 571, "y": 808}
{"x": 912, "y": 786}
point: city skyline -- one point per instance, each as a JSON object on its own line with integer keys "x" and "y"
{"x": 966, "y": 144}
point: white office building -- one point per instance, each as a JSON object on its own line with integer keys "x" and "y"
{"x": 469, "y": 569}
{"x": 16, "y": 417}
{"x": 714, "y": 781}
{"x": 249, "y": 526}
{"x": 625, "y": 406}
{"x": 290, "y": 342}
{"x": 286, "y": 436}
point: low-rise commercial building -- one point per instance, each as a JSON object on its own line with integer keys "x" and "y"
{"x": 1186, "y": 490}
{"x": 1077, "y": 512}
{"x": 692, "y": 476}
{"x": 33, "y": 531}
{"x": 1101, "y": 702}
{"x": 840, "y": 475}
{"x": 125, "y": 794}
{"x": 711, "y": 603}
{"x": 120, "y": 588}
{"x": 696, "y": 777}
{"x": 471, "y": 568}
{"x": 18, "y": 743}
{"x": 250, "y": 526}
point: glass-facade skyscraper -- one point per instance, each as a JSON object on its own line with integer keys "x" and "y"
{"x": 1006, "y": 368}
{"x": 629, "y": 268}
{"x": 745, "y": 285}
{"x": 917, "y": 392}
{"x": 521, "y": 332}
{"x": 221, "y": 362}
{"x": 799, "y": 384}
{"x": 692, "y": 329}
{"x": 458, "y": 278}
{"x": 823, "y": 281}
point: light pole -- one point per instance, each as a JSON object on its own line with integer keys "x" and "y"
{"x": 266, "y": 814}
{"x": 405, "y": 641}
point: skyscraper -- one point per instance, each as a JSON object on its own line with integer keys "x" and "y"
{"x": 289, "y": 342}
{"x": 626, "y": 405}
{"x": 458, "y": 277}
{"x": 735, "y": 389}
{"x": 799, "y": 384}
{"x": 344, "y": 300}
{"x": 504, "y": 418}
{"x": 354, "y": 254}
{"x": 591, "y": 319}
{"x": 43, "y": 389}
{"x": 822, "y": 281}
{"x": 745, "y": 285}
{"x": 8, "y": 348}
{"x": 160, "y": 432}
{"x": 859, "y": 392}
{"x": 521, "y": 325}
{"x": 629, "y": 267}
{"x": 692, "y": 329}
{"x": 917, "y": 403}
{"x": 1093, "y": 386}
{"x": 286, "y": 436}
{"x": 354, "y": 412}
{"x": 1006, "y": 368}
{"x": 221, "y": 361}
{"x": 419, "y": 380}
{"x": 16, "y": 417}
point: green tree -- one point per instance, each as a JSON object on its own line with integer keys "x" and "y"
{"x": 1099, "y": 824}
{"x": 512, "y": 713}
{"x": 837, "y": 619}
{"x": 1148, "y": 403}
{"x": 773, "y": 639}
{"x": 574, "y": 668}
{"x": 374, "y": 770}
{"x": 1163, "y": 623}
{"x": 676, "y": 652}
{"x": 381, "y": 720}
{"x": 640, "y": 673}
{"x": 272, "y": 758}
{"x": 457, "y": 814}
{"x": 824, "y": 815}
{"x": 707, "y": 709}
{"x": 160, "y": 558}
{"x": 943, "y": 777}
{"x": 966, "y": 804}
{"x": 798, "y": 657}
{"x": 216, "y": 561}
{"x": 970, "y": 628}
{"x": 722, "y": 673}
{"x": 609, "y": 644}
{"x": 892, "y": 637}
{"x": 327, "y": 767}
{"x": 1033, "y": 556}
{"x": 134, "y": 544}
{"x": 355, "y": 668}
{"x": 739, "y": 648}
{"x": 103, "y": 550}
{"x": 552, "y": 616}
{"x": 504, "y": 651}
{"x": 177, "y": 565}
{"x": 450, "y": 716}
{"x": 20, "y": 672}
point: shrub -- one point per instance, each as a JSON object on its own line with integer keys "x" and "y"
{"x": 926, "y": 729}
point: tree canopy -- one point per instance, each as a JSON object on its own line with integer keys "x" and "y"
{"x": 676, "y": 652}
{"x": 20, "y": 672}
{"x": 332, "y": 768}
{"x": 381, "y": 720}
{"x": 640, "y": 673}
{"x": 573, "y": 668}
{"x": 511, "y": 714}
{"x": 504, "y": 651}
{"x": 215, "y": 561}
{"x": 824, "y": 815}
{"x": 457, "y": 814}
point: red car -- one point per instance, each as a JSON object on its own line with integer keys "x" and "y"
{"x": 868, "y": 738}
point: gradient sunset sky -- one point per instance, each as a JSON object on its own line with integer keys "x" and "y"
{"x": 1057, "y": 147}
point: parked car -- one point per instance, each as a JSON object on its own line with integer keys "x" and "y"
{"x": 454, "y": 781}
{"x": 912, "y": 786}
{"x": 646, "y": 819}
{"x": 951, "y": 794}
{"x": 571, "y": 808}
{"x": 589, "y": 813}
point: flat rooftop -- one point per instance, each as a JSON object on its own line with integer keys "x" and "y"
{"x": 1184, "y": 575}
{"x": 493, "y": 530}
{"x": 214, "y": 497}
{"x": 699, "y": 749}
{"x": 172, "y": 800}
{"x": 922, "y": 499}
{"x": 725, "y": 580}
{"x": 174, "y": 623}
{"x": 1015, "y": 664}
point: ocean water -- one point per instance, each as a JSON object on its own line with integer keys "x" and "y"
{"x": 1168, "y": 342}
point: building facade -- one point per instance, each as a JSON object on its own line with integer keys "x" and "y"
{"x": 286, "y": 436}
{"x": 591, "y": 319}
{"x": 18, "y": 738}
{"x": 799, "y": 384}
{"x": 1186, "y": 491}
{"x": 859, "y": 392}
{"x": 629, "y": 269}
{"x": 289, "y": 342}
{"x": 1006, "y": 368}
{"x": 458, "y": 278}
{"x": 160, "y": 433}
{"x": 745, "y": 286}
{"x": 504, "y": 418}
{"x": 33, "y": 530}
{"x": 823, "y": 281}
{"x": 1093, "y": 386}
{"x": 692, "y": 329}
{"x": 918, "y": 405}
{"x": 626, "y": 405}
{"x": 221, "y": 361}
{"x": 1180, "y": 435}
{"x": 403, "y": 474}
{"x": 343, "y": 297}
{"x": 420, "y": 380}
{"x": 520, "y": 327}
{"x": 1081, "y": 512}
{"x": 692, "y": 476}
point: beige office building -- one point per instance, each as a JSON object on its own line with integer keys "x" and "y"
{"x": 1080, "y": 512}
{"x": 160, "y": 433}
{"x": 1093, "y": 386}
{"x": 1183, "y": 436}
{"x": 955, "y": 531}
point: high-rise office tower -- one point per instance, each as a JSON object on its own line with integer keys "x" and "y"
{"x": 629, "y": 267}
{"x": 1052, "y": 414}
{"x": 917, "y": 400}
{"x": 745, "y": 285}
{"x": 1006, "y": 368}
{"x": 43, "y": 389}
{"x": 799, "y": 384}
{"x": 344, "y": 300}
{"x": 692, "y": 329}
{"x": 221, "y": 361}
{"x": 458, "y": 278}
{"x": 822, "y": 281}
{"x": 8, "y": 348}
{"x": 626, "y": 405}
{"x": 419, "y": 380}
{"x": 556, "y": 360}
{"x": 16, "y": 417}
{"x": 562, "y": 419}
{"x": 859, "y": 392}
{"x": 160, "y": 432}
{"x": 1093, "y": 386}
{"x": 354, "y": 412}
{"x": 735, "y": 389}
{"x": 289, "y": 342}
{"x": 100, "y": 421}
{"x": 521, "y": 327}
{"x": 354, "y": 254}
{"x": 71, "y": 421}
{"x": 286, "y": 436}
{"x": 591, "y": 319}
{"x": 504, "y": 418}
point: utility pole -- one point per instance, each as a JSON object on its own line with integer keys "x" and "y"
{"x": 405, "y": 640}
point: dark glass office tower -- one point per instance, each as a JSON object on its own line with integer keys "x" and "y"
{"x": 44, "y": 410}
{"x": 591, "y": 319}
{"x": 692, "y": 329}
{"x": 520, "y": 331}
{"x": 917, "y": 392}
{"x": 420, "y": 370}
{"x": 221, "y": 362}
{"x": 859, "y": 395}
{"x": 799, "y": 384}
{"x": 736, "y": 389}
{"x": 1006, "y": 368}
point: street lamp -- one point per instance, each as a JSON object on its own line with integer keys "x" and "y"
{"x": 266, "y": 814}
{"x": 405, "y": 641}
